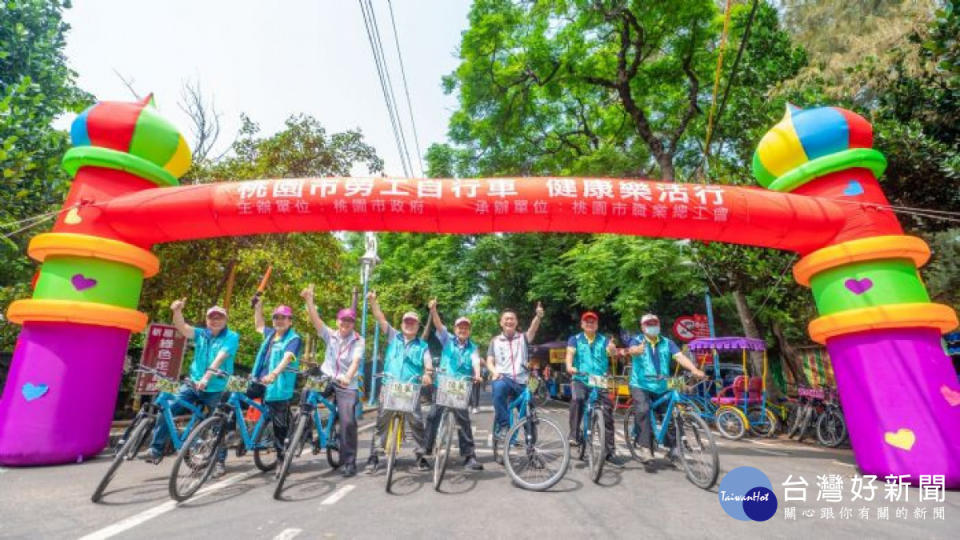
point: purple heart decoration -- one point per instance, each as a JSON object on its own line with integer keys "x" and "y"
{"x": 82, "y": 283}
{"x": 858, "y": 286}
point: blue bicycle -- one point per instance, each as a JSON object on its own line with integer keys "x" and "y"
{"x": 137, "y": 435}
{"x": 317, "y": 391}
{"x": 594, "y": 429}
{"x": 209, "y": 440}
{"x": 538, "y": 459}
{"x": 694, "y": 441}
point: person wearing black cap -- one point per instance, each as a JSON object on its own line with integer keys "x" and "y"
{"x": 588, "y": 353}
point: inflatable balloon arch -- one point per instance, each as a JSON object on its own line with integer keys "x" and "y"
{"x": 820, "y": 198}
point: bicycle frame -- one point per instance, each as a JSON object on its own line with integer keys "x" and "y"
{"x": 164, "y": 402}
{"x": 324, "y": 429}
{"x": 671, "y": 398}
{"x": 588, "y": 406}
{"x": 249, "y": 438}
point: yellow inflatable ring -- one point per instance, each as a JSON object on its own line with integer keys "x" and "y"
{"x": 34, "y": 310}
{"x": 921, "y": 315}
{"x": 864, "y": 249}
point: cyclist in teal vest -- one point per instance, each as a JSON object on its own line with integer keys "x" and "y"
{"x": 215, "y": 347}
{"x": 281, "y": 349}
{"x": 460, "y": 358}
{"x": 651, "y": 357}
{"x": 406, "y": 359}
{"x": 588, "y": 353}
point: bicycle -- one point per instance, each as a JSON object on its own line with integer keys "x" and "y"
{"x": 208, "y": 440}
{"x": 810, "y": 402}
{"x": 594, "y": 430}
{"x": 316, "y": 391}
{"x": 694, "y": 440}
{"x": 453, "y": 393}
{"x": 831, "y": 426}
{"x": 137, "y": 434}
{"x": 528, "y": 462}
{"x": 398, "y": 398}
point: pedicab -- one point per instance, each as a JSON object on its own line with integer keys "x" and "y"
{"x": 741, "y": 406}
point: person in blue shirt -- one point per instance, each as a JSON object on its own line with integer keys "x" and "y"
{"x": 588, "y": 353}
{"x": 460, "y": 358}
{"x": 406, "y": 359}
{"x": 215, "y": 347}
{"x": 651, "y": 356}
{"x": 274, "y": 382}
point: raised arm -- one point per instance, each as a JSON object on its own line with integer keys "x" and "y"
{"x": 377, "y": 312}
{"x": 435, "y": 317}
{"x": 308, "y": 298}
{"x": 535, "y": 323}
{"x": 185, "y": 329}
{"x": 258, "y": 321}
{"x": 688, "y": 364}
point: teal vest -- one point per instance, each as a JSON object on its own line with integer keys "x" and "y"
{"x": 404, "y": 361}
{"x": 590, "y": 359}
{"x": 282, "y": 387}
{"x": 456, "y": 360}
{"x": 654, "y": 360}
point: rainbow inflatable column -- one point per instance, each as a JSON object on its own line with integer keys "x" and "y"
{"x": 898, "y": 389}
{"x": 59, "y": 398}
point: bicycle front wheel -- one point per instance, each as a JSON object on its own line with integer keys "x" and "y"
{"x": 698, "y": 451}
{"x": 196, "y": 459}
{"x": 763, "y": 423}
{"x": 394, "y": 437}
{"x": 333, "y": 445}
{"x": 129, "y": 448}
{"x": 445, "y": 440}
{"x": 296, "y": 441}
{"x": 542, "y": 460}
{"x": 597, "y": 443}
{"x": 731, "y": 423}
{"x": 265, "y": 450}
{"x": 831, "y": 428}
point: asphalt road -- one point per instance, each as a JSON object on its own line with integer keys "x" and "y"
{"x": 54, "y": 502}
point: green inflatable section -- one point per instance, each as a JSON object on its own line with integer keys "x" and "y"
{"x": 866, "y": 284}
{"x": 89, "y": 280}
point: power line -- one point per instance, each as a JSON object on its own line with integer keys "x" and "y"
{"x": 406, "y": 89}
{"x": 377, "y": 60}
{"x": 386, "y": 71}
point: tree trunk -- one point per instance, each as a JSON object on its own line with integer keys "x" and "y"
{"x": 665, "y": 161}
{"x": 790, "y": 354}
{"x": 749, "y": 329}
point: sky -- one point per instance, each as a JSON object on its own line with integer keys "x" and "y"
{"x": 273, "y": 59}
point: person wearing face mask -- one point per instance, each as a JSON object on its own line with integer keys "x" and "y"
{"x": 407, "y": 357}
{"x": 588, "y": 353}
{"x": 341, "y": 362}
{"x": 280, "y": 350}
{"x": 215, "y": 347}
{"x": 651, "y": 354}
{"x": 460, "y": 358}
{"x": 507, "y": 360}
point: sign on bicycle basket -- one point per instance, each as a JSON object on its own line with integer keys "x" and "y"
{"x": 162, "y": 350}
{"x": 811, "y": 393}
{"x": 453, "y": 393}
{"x": 598, "y": 381}
{"x": 236, "y": 384}
{"x": 402, "y": 397}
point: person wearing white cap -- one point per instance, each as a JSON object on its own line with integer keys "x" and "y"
{"x": 215, "y": 347}
{"x": 651, "y": 354}
{"x": 406, "y": 358}
{"x": 460, "y": 358}
{"x": 341, "y": 362}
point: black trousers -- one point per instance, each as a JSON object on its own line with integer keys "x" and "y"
{"x": 347, "y": 414}
{"x": 642, "y": 400}
{"x": 465, "y": 436}
{"x": 279, "y": 414}
{"x": 578, "y": 396}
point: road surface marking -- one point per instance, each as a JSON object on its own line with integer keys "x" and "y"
{"x": 337, "y": 495}
{"x": 771, "y": 452}
{"x": 844, "y": 464}
{"x": 150, "y": 513}
{"x": 2, "y": 470}
{"x": 287, "y": 534}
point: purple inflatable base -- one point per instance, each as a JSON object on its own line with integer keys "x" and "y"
{"x": 891, "y": 385}
{"x": 58, "y": 401}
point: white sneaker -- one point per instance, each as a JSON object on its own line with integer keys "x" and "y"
{"x": 218, "y": 470}
{"x": 474, "y": 410}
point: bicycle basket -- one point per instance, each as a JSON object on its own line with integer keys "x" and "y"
{"x": 315, "y": 384}
{"x": 453, "y": 393}
{"x": 166, "y": 385}
{"x": 533, "y": 383}
{"x": 401, "y": 397}
{"x": 236, "y": 384}
{"x": 676, "y": 383}
{"x": 598, "y": 381}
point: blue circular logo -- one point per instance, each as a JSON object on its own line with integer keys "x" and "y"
{"x": 746, "y": 494}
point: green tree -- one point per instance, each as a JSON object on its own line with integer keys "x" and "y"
{"x": 36, "y": 86}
